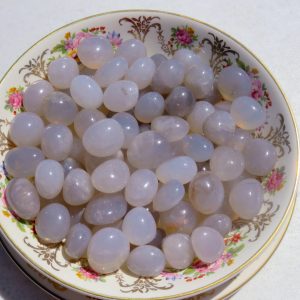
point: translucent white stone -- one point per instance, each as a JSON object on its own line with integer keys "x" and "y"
{"x": 129, "y": 125}
{"x": 146, "y": 261}
{"x": 247, "y": 113}
{"x": 108, "y": 250}
{"x": 181, "y": 168}
{"x": 121, "y": 95}
{"x": 141, "y": 187}
{"x": 149, "y": 106}
{"x": 86, "y": 92}
{"x": 246, "y": 198}
{"x": 22, "y": 198}
{"x": 35, "y": 94}
{"x": 77, "y": 150}
{"x": 103, "y": 138}
{"x": 94, "y": 52}
{"x": 61, "y": 72}
{"x": 198, "y": 147}
{"x": 227, "y": 163}
{"x": 77, "y": 187}
{"x": 76, "y": 213}
{"x": 189, "y": 58}
{"x": 158, "y": 86}
{"x": 171, "y": 127}
{"x": 219, "y": 222}
{"x": 26, "y": 129}
{"x": 158, "y": 58}
{"x": 139, "y": 226}
{"x": 178, "y": 250}
{"x": 180, "y": 102}
{"x": 199, "y": 80}
{"x": 215, "y": 95}
{"x": 207, "y": 243}
{"x": 238, "y": 139}
{"x": 198, "y": 116}
{"x": 111, "y": 176}
{"x": 159, "y": 237}
{"x": 234, "y": 82}
{"x": 168, "y": 195}
{"x": 105, "y": 209}
{"x": 57, "y": 142}
{"x": 141, "y": 72}
{"x": 49, "y": 178}
{"x": 85, "y": 118}
{"x": 53, "y": 223}
{"x": 131, "y": 50}
{"x": 223, "y": 105}
{"x": 59, "y": 108}
{"x": 206, "y": 193}
{"x": 77, "y": 240}
{"x": 22, "y": 161}
{"x": 111, "y": 71}
{"x": 260, "y": 157}
{"x": 181, "y": 218}
{"x": 218, "y": 127}
{"x": 148, "y": 150}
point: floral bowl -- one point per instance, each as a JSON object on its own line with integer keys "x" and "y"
{"x": 165, "y": 33}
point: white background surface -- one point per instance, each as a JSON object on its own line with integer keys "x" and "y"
{"x": 270, "y": 29}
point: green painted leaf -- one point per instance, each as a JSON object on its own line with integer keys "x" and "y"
{"x": 188, "y": 271}
{"x": 21, "y": 226}
{"x": 241, "y": 64}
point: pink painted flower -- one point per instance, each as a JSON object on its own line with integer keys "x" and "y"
{"x": 79, "y": 37}
{"x": 275, "y": 181}
{"x": 16, "y": 100}
{"x": 88, "y": 273}
{"x": 183, "y": 37}
{"x": 114, "y": 38}
{"x": 257, "y": 90}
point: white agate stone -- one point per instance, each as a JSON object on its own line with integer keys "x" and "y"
{"x": 220, "y": 222}
{"x": 189, "y": 58}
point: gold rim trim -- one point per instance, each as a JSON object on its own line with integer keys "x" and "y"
{"x": 251, "y": 259}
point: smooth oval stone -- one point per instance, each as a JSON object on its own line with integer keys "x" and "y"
{"x": 105, "y": 209}
{"x": 149, "y": 106}
{"x": 200, "y": 80}
{"x": 77, "y": 240}
{"x": 22, "y": 161}
{"x": 260, "y": 157}
{"x": 181, "y": 168}
{"x": 77, "y": 150}
{"x": 141, "y": 187}
{"x": 198, "y": 147}
{"x": 103, "y": 138}
{"x": 180, "y": 102}
{"x": 57, "y": 142}
{"x": 146, "y": 261}
{"x": 189, "y": 58}
{"x": 85, "y": 118}
{"x": 141, "y": 72}
{"x": 26, "y": 129}
{"x": 206, "y": 192}
{"x": 49, "y": 178}
{"x": 148, "y": 150}
{"x": 59, "y": 108}
{"x": 34, "y": 95}
{"x": 219, "y": 127}
{"x": 171, "y": 127}
{"x": 76, "y": 213}
{"x": 129, "y": 125}
{"x": 219, "y": 222}
{"x": 178, "y": 250}
{"x": 223, "y": 105}
{"x": 227, "y": 163}
{"x": 131, "y": 50}
{"x": 234, "y": 82}
{"x": 108, "y": 250}
{"x": 121, "y": 95}
{"x": 23, "y": 199}
{"x": 86, "y": 92}
{"x": 158, "y": 58}
{"x": 247, "y": 113}
{"x": 111, "y": 71}
{"x": 61, "y": 72}
{"x": 198, "y": 116}
{"x": 53, "y": 223}
{"x": 238, "y": 139}
{"x": 77, "y": 187}
{"x": 246, "y": 198}
{"x": 159, "y": 237}
{"x": 139, "y": 226}
{"x": 111, "y": 176}
{"x": 94, "y": 52}
{"x": 168, "y": 195}
{"x": 208, "y": 244}
{"x": 181, "y": 218}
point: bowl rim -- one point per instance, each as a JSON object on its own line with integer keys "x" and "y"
{"x": 271, "y": 237}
